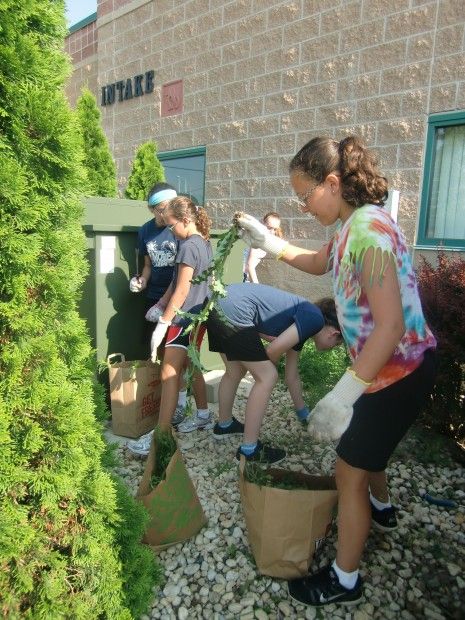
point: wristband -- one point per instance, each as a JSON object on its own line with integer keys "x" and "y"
{"x": 280, "y": 254}
{"x": 357, "y": 378}
{"x": 160, "y": 320}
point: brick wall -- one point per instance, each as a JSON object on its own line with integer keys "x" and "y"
{"x": 81, "y": 45}
{"x": 261, "y": 77}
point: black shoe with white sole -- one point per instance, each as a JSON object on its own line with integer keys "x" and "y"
{"x": 235, "y": 428}
{"x": 263, "y": 454}
{"x": 384, "y": 520}
{"x": 323, "y": 588}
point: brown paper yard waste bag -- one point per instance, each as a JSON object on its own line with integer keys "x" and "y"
{"x": 285, "y": 527}
{"x": 135, "y": 391}
{"x": 174, "y": 507}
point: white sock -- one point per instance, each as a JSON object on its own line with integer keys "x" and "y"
{"x": 348, "y": 580}
{"x": 182, "y": 399}
{"x": 379, "y": 505}
{"x": 203, "y": 413}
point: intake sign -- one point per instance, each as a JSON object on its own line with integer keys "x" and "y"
{"x": 128, "y": 89}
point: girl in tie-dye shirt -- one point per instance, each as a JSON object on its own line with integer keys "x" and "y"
{"x": 372, "y": 227}
{"x": 391, "y": 347}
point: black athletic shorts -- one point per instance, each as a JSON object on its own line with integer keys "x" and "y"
{"x": 238, "y": 344}
{"x": 382, "y": 418}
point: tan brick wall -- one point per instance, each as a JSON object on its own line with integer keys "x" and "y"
{"x": 262, "y": 77}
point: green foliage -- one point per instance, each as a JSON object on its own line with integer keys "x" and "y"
{"x": 98, "y": 161}
{"x": 260, "y": 474}
{"x": 442, "y": 292}
{"x": 321, "y": 370}
{"x": 65, "y": 551}
{"x": 146, "y": 171}
{"x": 141, "y": 570}
{"x": 166, "y": 447}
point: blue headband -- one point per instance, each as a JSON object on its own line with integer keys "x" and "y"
{"x": 161, "y": 196}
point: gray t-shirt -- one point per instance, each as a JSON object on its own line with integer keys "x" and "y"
{"x": 196, "y": 252}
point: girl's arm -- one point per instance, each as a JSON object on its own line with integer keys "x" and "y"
{"x": 179, "y": 296}
{"x": 147, "y": 268}
{"x": 164, "y": 299}
{"x": 382, "y": 291}
{"x": 251, "y": 264}
{"x": 282, "y": 343}
{"x": 255, "y": 234}
{"x": 292, "y": 378}
{"x": 310, "y": 261}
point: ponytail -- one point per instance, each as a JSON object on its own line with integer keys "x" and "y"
{"x": 183, "y": 207}
{"x": 357, "y": 166}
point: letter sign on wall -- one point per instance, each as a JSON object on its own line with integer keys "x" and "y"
{"x": 128, "y": 89}
{"x": 171, "y": 98}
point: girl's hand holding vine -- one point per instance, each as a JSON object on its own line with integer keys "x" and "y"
{"x": 332, "y": 414}
{"x": 256, "y": 235}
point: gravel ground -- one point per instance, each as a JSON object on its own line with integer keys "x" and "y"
{"x": 418, "y": 571}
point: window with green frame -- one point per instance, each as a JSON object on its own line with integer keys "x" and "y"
{"x": 185, "y": 170}
{"x": 442, "y": 211}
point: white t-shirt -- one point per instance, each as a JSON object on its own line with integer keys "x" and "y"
{"x": 257, "y": 256}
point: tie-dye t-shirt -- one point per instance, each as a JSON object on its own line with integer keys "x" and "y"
{"x": 372, "y": 227}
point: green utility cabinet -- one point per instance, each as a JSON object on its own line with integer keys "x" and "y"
{"x": 114, "y": 315}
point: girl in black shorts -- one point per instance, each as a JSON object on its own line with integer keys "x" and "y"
{"x": 390, "y": 344}
{"x": 252, "y": 312}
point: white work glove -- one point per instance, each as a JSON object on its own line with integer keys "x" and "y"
{"x": 157, "y": 337}
{"x": 137, "y": 284}
{"x": 332, "y": 414}
{"x": 154, "y": 313}
{"x": 256, "y": 235}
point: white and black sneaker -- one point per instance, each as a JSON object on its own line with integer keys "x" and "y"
{"x": 179, "y": 415}
{"x": 140, "y": 446}
{"x": 196, "y": 423}
{"x": 384, "y": 520}
{"x": 323, "y": 588}
{"x": 235, "y": 428}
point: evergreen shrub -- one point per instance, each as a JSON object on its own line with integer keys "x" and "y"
{"x": 98, "y": 161}
{"x": 442, "y": 292}
{"x": 68, "y": 533}
{"x": 146, "y": 171}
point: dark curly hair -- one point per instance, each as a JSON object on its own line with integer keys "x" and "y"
{"x": 357, "y": 166}
{"x": 328, "y": 310}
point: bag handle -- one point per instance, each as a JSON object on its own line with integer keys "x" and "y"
{"x": 123, "y": 359}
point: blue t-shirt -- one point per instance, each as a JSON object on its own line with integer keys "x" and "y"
{"x": 161, "y": 246}
{"x": 271, "y": 311}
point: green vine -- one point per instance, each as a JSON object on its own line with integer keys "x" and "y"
{"x": 165, "y": 447}
{"x": 214, "y": 274}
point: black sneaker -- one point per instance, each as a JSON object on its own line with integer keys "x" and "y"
{"x": 384, "y": 520}
{"x": 323, "y": 588}
{"x": 236, "y": 428}
{"x": 263, "y": 454}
